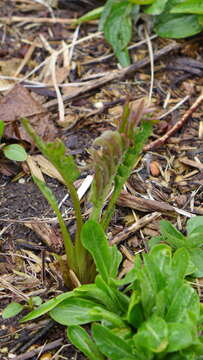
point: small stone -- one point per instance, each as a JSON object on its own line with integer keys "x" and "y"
{"x": 154, "y": 168}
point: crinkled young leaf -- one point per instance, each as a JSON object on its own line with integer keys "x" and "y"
{"x": 188, "y": 7}
{"x": 80, "y": 338}
{"x": 56, "y": 153}
{"x": 153, "y": 335}
{"x": 74, "y": 311}
{"x": 15, "y": 152}
{"x": 111, "y": 345}
{"x": 11, "y": 310}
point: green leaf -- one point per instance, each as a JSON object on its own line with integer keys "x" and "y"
{"x": 95, "y": 241}
{"x": 110, "y": 344}
{"x": 47, "y": 306}
{"x": 120, "y": 300}
{"x": 196, "y": 256}
{"x": 90, "y": 15}
{"x": 74, "y": 311}
{"x": 92, "y": 292}
{"x": 80, "y": 338}
{"x": 180, "y": 337}
{"x": 15, "y": 152}
{"x": 105, "y": 13}
{"x": 135, "y": 315}
{"x": 56, "y": 153}
{"x": 11, "y": 310}
{"x": 118, "y": 30}
{"x": 48, "y": 194}
{"x": 171, "y": 235}
{"x": 189, "y": 7}
{"x": 180, "y": 263}
{"x": 177, "y": 26}
{"x": 2, "y": 125}
{"x": 200, "y": 20}
{"x": 101, "y": 314}
{"x": 153, "y": 335}
{"x": 184, "y": 300}
{"x": 157, "y": 7}
{"x": 193, "y": 224}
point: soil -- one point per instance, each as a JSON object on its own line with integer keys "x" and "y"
{"x": 170, "y": 174}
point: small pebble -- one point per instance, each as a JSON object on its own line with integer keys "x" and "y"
{"x": 154, "y": 168}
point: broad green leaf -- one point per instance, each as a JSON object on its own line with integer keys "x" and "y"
{"x": 157, "y": 7}
{"x": 80, "y": 338}
{"x": 15, "y": 152}
{"x": 193, "y": 224}
{"x": 195, "y": 240}
{"x": 177, "y": 26}
{"x": 91, "y": 15}
{"x": 119, "y": 299}
{"x": 93, "y": 292}
{"x": 74, "y": 311}
{"x": 184, "y": 300}
{"x": 47, "y": 306}
{"x": 189, "y": 7}
{"x": 105, "y": 13}
{"x": 135, "y": 315}
{"x": 11, "y": 310}
{"x": 95, "y": 241}
{"x": 116, "y": 259}
{"x": 118, "y": 30}
{"x": 179, "y": 336}
{"x": 2, "y": 125}
{"x": 101, "y": 314}
{"x": 180, "y": 263}
{"x": 153, "y": 335}
{"x": 111, "y": 345}
{"x": 171, "y": 235}
{"x": 161, "y": 255}
{"x": 200, "y": 20}
{"x": 196, "y": 256}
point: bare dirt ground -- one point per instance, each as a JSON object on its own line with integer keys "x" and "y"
{"x": 167, "y": 182}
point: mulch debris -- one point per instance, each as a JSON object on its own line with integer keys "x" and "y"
{"x": 67, "y": 82}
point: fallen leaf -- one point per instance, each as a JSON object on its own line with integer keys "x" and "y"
{"x": 19, "y": 103}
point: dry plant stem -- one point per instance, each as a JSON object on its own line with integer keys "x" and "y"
{"x": 159, "y": 142}
{"x": 134, "y": 227}
{"x": 43, "y": 348}
{"x": 40, "y": 20}
{"x": 118, "y": 74}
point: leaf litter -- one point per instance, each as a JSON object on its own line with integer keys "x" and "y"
{"x": 67, "y": 84}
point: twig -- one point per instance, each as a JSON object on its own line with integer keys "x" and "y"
{"x": 8, "y": 20}
{"x": 30, "y": 354}
{"x": 159, "y": 142}
{"x": 134, "y": 227}
{"x": 118, "y": 74}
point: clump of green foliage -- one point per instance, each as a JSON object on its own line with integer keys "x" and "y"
{"x": 169, "y": 18}
{"x": 152, "y": 313}
{"x": 114, "y": 154}
{"x": 13, "y": 152}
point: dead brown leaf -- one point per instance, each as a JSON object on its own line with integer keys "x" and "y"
{"x": 19, "y": 103}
